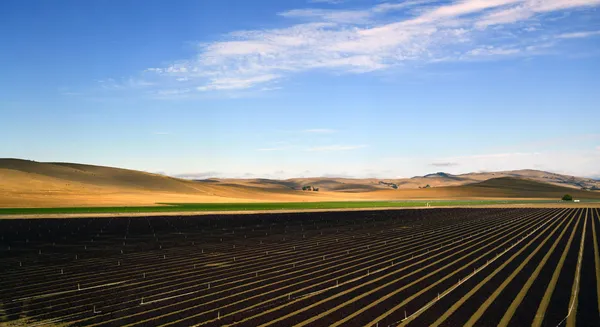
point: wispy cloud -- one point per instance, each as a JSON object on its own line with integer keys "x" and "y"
{"x": 375, "y": 38}
{"x": 444, "y": 164}
{"x": 337, "y": 16}
{"x": 491, "y": 51}
{"x": 131, "y": 82}
{"x": 233, "y": 83}
{"x": 171, "y": 94}
{"x": 329, "y": 148}
{"x": 357, "y": 16}
{"x": 578, "y": 35}
{"x": 173, "y": 91}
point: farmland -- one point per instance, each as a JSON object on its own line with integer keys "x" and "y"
{"x": 30, "y": 187}
{"x": 267, "y": 206}
{"x": 434, "y": 267}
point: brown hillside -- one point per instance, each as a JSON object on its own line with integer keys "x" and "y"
{"x": 517, "y": 187}
{"x": 97, "y": 176}
{"x": 34, "y": 184}
{"x": 26, "y": 183}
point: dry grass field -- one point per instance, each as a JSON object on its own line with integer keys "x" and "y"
{"x": 34, "y": 184}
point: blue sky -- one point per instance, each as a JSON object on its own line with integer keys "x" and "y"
{"x": 269, "y": 88}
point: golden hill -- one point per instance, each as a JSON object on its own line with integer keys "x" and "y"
{"x": 511, "y": 187}
{"x": 30, "y": 184}
{"x": 433, "y": 180}
{"x": 35, "y": 184}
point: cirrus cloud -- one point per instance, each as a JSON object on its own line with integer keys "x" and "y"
{"x": 578, "y": 35}
{"x": 444, "y": 164}
{"x": 375, "y": 38}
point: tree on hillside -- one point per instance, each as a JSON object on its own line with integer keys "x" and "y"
{"x": 567, "y": 197}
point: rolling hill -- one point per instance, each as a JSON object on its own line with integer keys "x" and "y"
{"x": 25, "y": 183}
{"x": 439, "y": 179}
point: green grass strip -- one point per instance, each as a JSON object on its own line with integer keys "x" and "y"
{"x": 189, "y": 207}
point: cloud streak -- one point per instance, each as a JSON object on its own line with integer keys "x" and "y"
{"x": 444, "y": 164}
{"x": 233, "y": 83}
{"x": 376, "y": 38}
{"x": 578, "y": 35}
{"x": 363, "y": 16}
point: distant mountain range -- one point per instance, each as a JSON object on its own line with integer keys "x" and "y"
{"x": 445, "y": 179}
{"x": 439, "y": 179}
{"x": 25, "y": 183}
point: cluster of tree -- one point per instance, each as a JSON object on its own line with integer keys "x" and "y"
{"x": 567, "y": 197}
{"x": 392, "y": 185}
{"x": 426, "y": 186}
{"x": 310, "y": 188}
